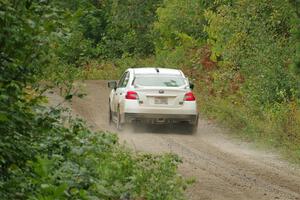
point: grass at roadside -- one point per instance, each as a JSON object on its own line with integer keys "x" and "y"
{"x": 111, "y": 70}
{"x": 278, "y": 129}
{"x": 276, "y": 126}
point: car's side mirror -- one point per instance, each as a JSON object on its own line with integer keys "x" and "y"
{"x": 192, "y": 86}
{"x": 112, "y": 84}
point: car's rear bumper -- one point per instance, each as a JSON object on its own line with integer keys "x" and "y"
{"x": 187, "y": 108}
{"x": 160, "y": 118}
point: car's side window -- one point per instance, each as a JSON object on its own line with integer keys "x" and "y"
{"x": 123, "y": 81}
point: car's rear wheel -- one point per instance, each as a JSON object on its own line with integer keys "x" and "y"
{"x": 119, "y": 123}
{"x": 194, "y": 127}
{"x": 110, "y": 119}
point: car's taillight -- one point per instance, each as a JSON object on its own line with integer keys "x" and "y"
{"x": 131, "y": 95}
{"x": 189, "y": 97}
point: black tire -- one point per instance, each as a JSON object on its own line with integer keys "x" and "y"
{"x": 194, "y": 127}
{"x": 110, "y": 120}
{"x": 119, "y": 125}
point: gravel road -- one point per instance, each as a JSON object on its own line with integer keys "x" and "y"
{"x": 224, "y": 167}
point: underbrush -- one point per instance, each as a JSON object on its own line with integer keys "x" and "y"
{"x": 224, "y": 97}
{"x": 277, "y": 127}
{"x": 66, "y": 160}
{"x": 258, "y": 105}
{"x": 111, "y": 70}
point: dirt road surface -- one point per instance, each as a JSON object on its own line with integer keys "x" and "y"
{"x": 224, "y": 168}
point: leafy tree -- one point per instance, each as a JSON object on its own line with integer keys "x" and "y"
{"x": 90, "y": 17}
{"x": 24, "y": 50}
{"x": 255, "y": 38}
{"x": 42, "y": 154}
{"x": 129, "y": 30}
{"x": 179, "y": 20}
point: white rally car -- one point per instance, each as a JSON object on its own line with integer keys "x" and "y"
{"x": 153, "y": 95}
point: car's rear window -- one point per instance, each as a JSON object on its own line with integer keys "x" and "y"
{"x": 163, "y": 81}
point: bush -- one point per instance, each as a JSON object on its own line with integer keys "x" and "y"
{"x": 45, "y": 154}
{"x": 129, "y": 32}
{"x": 243, "y": 56}
{"x": 73, "y": 162}
{"x": 255, "y": 39}
{"x": 176, "y": 19}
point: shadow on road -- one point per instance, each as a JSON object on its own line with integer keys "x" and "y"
{"x": 182, "y": 129}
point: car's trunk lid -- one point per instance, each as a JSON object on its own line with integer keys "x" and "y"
{"x": 161, "y": 96}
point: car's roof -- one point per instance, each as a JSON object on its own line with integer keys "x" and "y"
{"x": 153, "y": 70}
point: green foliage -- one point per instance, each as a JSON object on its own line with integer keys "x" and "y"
{"x": 296, "y": 33}
{"x": 108, "y": 29}
{"x": 74, "y": 49}
{"x": 254, "y": 88}
{"x": 276, "y": 126}
{"x": 24, "y": 49}
{"x": 90, "y": 18}
{"x": 45, "y": 153}
{"x": 255, "y": 38}
{"x": 74, "y": 162}
{"x": 129, "y": 30}
{"x": 244, "y": 56}
{"x": 111, "y": 69}
{"x": 179, "y": 19}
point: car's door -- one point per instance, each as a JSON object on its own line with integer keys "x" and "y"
{"x": 119, "y": 93}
